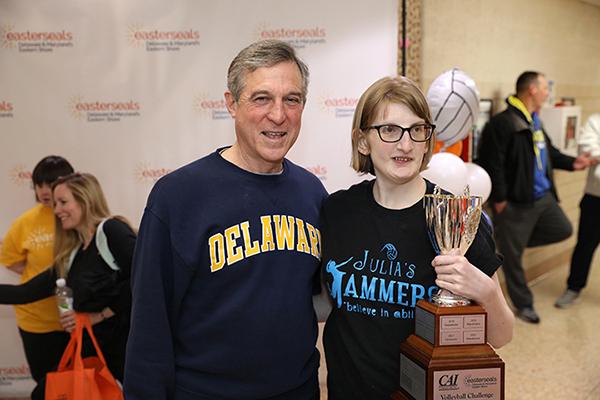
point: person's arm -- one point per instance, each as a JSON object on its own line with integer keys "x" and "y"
{"x": 561, "y": 160}
{"x": 322, "y": 304}
{"x": 589, "y": 140}
{"x": 12, "y": 254}
{"x": 37, "y": 288}
{"x": 492, "y": 156}
{"x": 121, "y": 242}
{"x": 456, "y": 274}
{"x": 150, "y": 360}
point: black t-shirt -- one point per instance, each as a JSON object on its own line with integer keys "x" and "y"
{"x": 376, "y": 265}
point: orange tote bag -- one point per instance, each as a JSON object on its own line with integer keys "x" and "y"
{"x": 82, "y": 379}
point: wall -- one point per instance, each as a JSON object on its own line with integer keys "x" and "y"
{"x": 494, "y": 41}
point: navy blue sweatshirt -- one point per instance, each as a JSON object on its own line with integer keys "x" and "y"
{"x": 223, "y": 277}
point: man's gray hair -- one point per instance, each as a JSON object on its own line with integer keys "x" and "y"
{"x": 263, "y": 54}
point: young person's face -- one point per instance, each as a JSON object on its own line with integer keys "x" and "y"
{"x": 66, "y": 208}
{"x": 267, "y": 115}
{"x": 43, "y": 194}
{"x": 399, "y": 162}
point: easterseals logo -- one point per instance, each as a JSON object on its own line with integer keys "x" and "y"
{"x": 14, "y": 374}
{"x": 162, "y": 40}
{"x": 20, "y": 175}
{"x": 211, "y": 107}
{"x": 29, "y": 41}
{"x": 103, "y": 111}
{"x": 341, "y": 107}
{"x": 297, "y": 37}
{"x": 320, "y": 171}
{"x": 6, "y": 109}
{"x": 145, "y": 173}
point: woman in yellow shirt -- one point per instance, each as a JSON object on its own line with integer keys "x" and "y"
{"x": 28, "y": 249}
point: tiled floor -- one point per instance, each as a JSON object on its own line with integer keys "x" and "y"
{"x": 560, "y": 357}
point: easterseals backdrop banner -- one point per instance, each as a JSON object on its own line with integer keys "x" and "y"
{"x": 130, "y": 91}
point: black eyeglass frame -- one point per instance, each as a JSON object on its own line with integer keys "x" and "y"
{"x": 403, "y": 129}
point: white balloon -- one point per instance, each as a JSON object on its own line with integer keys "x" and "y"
{"x": 448, "y": 171}
{"x": 479, "y": 181}
{"x": 453, "y": 99}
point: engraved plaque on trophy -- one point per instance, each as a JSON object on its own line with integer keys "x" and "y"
{"x": 448, "y": 356}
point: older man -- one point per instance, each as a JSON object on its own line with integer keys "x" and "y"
{"x": 227, "y": 254}
{"x": 519, "y": 157}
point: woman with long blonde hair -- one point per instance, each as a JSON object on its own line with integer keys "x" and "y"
{"x": 100, "y": 283}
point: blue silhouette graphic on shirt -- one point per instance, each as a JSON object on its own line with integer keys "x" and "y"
{"x": 336, "y": 284}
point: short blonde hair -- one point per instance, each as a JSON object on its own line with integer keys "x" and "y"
{"x": 379, "y": 95}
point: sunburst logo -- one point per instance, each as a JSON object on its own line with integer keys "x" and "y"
{"x": 143, "y": 172}
{"x": 74, "y": 110}
{"x": 6, "y": 106}
{"x": 132, "y": 29}
{"x": 39, "y": 238}
{"x": 5, "y": 42}
{"x": 20, "y": 175}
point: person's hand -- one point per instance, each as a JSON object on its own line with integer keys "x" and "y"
{"x": 67, "y": 320}
{"x": 499, "y": 207}
{"x": 456, "y": 274}
{"x": 583, "y": 161}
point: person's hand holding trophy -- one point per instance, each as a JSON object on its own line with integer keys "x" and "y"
{"x": 448, "y": 355}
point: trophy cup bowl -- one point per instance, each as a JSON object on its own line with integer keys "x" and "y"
{"x": 452, "y": 223}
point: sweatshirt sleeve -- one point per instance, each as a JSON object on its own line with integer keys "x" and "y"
{"x": 150, "y": 365}
{"x": 559, "y": 160}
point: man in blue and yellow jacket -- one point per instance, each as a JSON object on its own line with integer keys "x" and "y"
{"x": 519, "y": 157}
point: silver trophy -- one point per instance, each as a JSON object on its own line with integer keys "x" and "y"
{"x": 452, "y": 223}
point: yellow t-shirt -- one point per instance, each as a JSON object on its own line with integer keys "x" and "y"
{"x": 31, "y": 239}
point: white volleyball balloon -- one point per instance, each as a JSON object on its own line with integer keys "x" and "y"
{"x": 448, "y": 172}
{"x": 453, "y": 99}
{"x": 479, "y": 181}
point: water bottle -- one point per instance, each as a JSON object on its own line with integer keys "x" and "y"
{"x": 64, "y": 296}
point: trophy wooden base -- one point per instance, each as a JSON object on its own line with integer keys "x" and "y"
{"x": 448, "y": 357}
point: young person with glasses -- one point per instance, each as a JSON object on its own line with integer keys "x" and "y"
{"x": 377, "y": 257}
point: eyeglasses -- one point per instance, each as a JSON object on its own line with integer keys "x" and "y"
{"x": 390, "y": 133}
